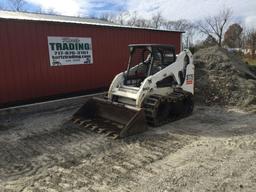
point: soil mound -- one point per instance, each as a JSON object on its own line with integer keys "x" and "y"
{"x": 223, "y": 78}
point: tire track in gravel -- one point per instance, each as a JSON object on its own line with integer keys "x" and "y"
{"x": 20, "y": 158}
{"x": 68, "y": 146}
{"x": 117, "y": 166}
{"x": 59, "y": 156}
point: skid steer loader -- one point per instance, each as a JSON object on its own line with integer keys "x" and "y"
{"x": 156, "y": 88}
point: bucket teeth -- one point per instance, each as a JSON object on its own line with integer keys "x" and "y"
{"x": 82, "y": 122}
{"x": 115, "y": 136}
{"x": 87, "y": 125}
{"x": 109, "y": 133}
{"x": 101, "y": 130}
{"x": 94, "y": 128}
{"x": 76, "y": 120}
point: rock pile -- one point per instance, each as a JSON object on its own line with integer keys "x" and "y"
{"x": 223, "y": 78}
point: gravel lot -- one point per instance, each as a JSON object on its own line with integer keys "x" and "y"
{"x": 212, "y": 150}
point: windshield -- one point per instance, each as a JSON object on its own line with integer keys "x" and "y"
{"x": 161, "y": 59}
{"x": 146, "y": 61}
{"x": 139, "y": 65}
{"x": 140, "y": 56}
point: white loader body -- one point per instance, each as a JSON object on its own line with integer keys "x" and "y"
{"x": 156, "y": 88}
{"x": 134, "y": 96}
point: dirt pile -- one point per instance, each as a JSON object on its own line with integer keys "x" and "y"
{"x": 223, "y": 78}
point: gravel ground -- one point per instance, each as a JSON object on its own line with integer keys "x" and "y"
{"x": 212, "y": 150}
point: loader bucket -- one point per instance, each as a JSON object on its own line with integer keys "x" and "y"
{"x": 112, "y": 119}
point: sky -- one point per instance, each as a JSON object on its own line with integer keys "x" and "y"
{"x": 244, "y": 11}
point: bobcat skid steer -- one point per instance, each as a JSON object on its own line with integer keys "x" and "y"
{"x": 156, "y": 88}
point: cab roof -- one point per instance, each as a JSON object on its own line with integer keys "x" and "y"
{"x": 152, "y": 45}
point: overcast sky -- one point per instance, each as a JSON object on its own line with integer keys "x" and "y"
{"x": 244, "y": 11}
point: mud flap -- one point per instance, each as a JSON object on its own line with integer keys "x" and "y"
{"x": 111, "y": 118}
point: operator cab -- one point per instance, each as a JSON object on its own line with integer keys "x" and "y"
{"x": 146, "y": 60}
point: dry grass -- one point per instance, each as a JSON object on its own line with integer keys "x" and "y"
{"x": 251, "y": 61}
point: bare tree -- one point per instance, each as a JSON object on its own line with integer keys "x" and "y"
{"x": 107, "y": 17}
{"x": 182, "y": 25}
{"x": 215, "y": 25}
{"x": 133, "y": 18}
{"x": 251, "y": 41}
{"x": 121, "y": 18}
{"x": 142, "y": 23}
{"x": 169, "y": 25}
{"x": 233, "y": 36}
{"x": 209, "y": 41}
{"x": 157, "y": 20}
{"x": 17, "y": 5}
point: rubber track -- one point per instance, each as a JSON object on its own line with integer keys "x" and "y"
{"x": 152, "y": 103}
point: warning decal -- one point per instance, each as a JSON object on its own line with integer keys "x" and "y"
{"x": 189, "y": 79}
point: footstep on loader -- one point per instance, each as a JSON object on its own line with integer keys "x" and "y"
{"x": 156, "y": 88}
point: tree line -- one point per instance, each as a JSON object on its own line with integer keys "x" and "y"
{"x": 157, "y": 21}
{"x": 14, "y": 5}
{"x": 217, "y": 29}
{"x": 22, "y": 5}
